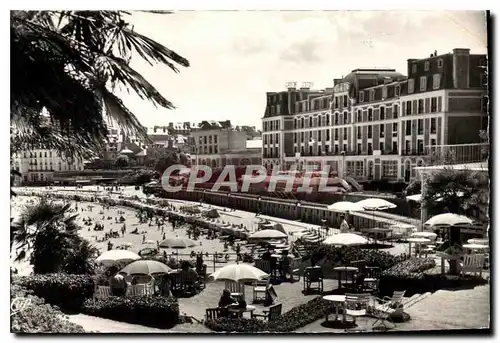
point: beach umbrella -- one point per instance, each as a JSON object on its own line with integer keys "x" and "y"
{"x": 402, "y": 228}
{"x": 268, "y": 234}
{"x": 177, "y": 243}
{"x": 430, "y": 235}
{"x": 147, "y": 267}
{"x": 448, "y": 220}
{"x": 345, "y": 239}
{"x": 112, "y": 256}
{"x": 478, "y": 241}
{"x": 375, "y": 204}
{"x": 149, "y": 241}
{"x": 128, "y": 245}
{"x": 345, "y": 206}
{"x": 239, "y": 272}
{"x": 418, "y": 197}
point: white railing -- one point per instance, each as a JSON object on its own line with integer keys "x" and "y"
{"x": 458, "y": 153}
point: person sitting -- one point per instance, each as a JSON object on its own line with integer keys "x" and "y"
{"x": 117, "y": 283}
{"x": 225, "y": 301}
{"x": 286, "y": 262}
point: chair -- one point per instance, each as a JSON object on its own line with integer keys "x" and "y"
{"x": 473, "y": 263}
{"x": 236, "y": 289}
{"x": 102, "y": 292}
{"x": 313, "y": 275}
{"x": 372, "y": 278}
{"x": 388, "y": 307}
{"x": 265, "y": 266}
{"x": 212, "y": 313}
{"x": 356, "y": 305}
{"x": 295, "y": 270}
{"x": 189, "y": 282}
{"x": 273, "y": 313}
{"x": 260, "y": 290}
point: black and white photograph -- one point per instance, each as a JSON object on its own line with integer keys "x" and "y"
{"x": 250, "y": 171}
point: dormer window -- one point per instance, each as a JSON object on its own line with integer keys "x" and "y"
{"x": 426, "y": 66}
{"x": 414, "y": 68}
{"x": 361, "y": 96}
{"x": 440, "y": 63}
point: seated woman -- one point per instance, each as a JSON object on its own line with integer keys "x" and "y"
{"x": 224, "y": 302}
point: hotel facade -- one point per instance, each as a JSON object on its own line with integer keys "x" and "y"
{"x": 377, "y": 124}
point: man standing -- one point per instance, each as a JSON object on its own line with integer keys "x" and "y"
{"x": 117, "y": 283}
{"x": 344, "y": 226}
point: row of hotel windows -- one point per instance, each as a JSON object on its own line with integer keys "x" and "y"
{"x": 274, "y": 152}
{"x": 205, "y": 139}
{"x": 316, "y": 104}
{"x": 32, "y": 154}
{"x": 271, "y": 125}
{"x": 436, "y": 83}
{"x": 356, "y": 169}
{"x": 420, "y": 131}
{"x": 209, "y": 150}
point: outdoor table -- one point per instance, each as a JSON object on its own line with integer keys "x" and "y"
{"x": 476, "y": 246}
{"x": 478, "y": 241}
{"x": 336, "y": 300}
{"x": 416, "y": 241}
{"x": 345, "y": 270}
{"x": 239, "y": 311}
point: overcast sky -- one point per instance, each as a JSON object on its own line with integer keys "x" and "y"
{"x": 236, "y": 57}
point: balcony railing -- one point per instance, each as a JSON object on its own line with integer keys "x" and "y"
{"x": 458, "y": 153}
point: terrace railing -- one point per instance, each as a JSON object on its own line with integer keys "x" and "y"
{"x": 458, "y": 153}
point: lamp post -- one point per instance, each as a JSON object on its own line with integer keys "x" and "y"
{"x": 343, "y": 163}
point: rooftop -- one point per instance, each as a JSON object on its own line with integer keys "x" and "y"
{"x": 254, "y": 144}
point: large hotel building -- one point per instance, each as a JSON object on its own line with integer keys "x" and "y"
{"x": 377, "y": 123}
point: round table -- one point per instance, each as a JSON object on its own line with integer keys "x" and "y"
{"x": 346, "y": 270}
{"x": 336, "y": 300}
{"x": 241, "y": 310}
{"x": 476, "y": 246}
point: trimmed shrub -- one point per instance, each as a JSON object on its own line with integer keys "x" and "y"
{"x": 344, "y": 255}
{"x": 63, "y": 290}
{"x": 292, "y": 320}
{"x": 410, "y": 276}
{"x": 154, "y": 311}
{"x": 38, "y": 317}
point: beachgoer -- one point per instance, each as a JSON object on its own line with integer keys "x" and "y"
{"x": 117, "y": 283}
{"x": 344, "y": 226}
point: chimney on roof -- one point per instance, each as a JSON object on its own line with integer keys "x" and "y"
{"x": 435, "y": 53}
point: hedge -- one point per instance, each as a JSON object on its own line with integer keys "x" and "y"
{"x": 149, "y": 310}
{"x": 292, "y": 320}
{"x": 38, "y": 317}
{"x": 410, "y": 276}
{"x": 344, "y": 255}
{"x": 63, "y": 290}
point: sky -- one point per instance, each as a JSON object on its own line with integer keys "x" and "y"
{"x": 237, "y": 56}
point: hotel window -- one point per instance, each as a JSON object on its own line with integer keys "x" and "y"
{"x": 440, "y": 63}
{"x": 382, "y": 127}
{"x": 336, "y": 118}
{"x": 420, "y": 126}
{"x": 390, "y": 168}
{"x": 215, "y": 150}
{"x": 302, "y": 137}
{"x": 200, "y": 140}
{"x": 301, "y": 123}
{"x": 370, "y": 133}
{"x": 420, "y": 106}
{"x": 336, "y": 149}
{"x": 433, "y": 125}
{"x": 361, "y": 96}
{"x": 370, "y": 114}
{"x": 336, "y": 134}
{"x": 433, "y": 105}
{"x": 336, "y": 102}
{"x": 40, "y": 154}
{"x": 215, "y": 139}
{"x": 372, "y": 94}
{"x": 295, "y": 125}
{"x": 408, "y": 108}
{"x": 382, "y": 113}
{"x": 345, "y": 100}
{"x": 345, "y": 133}
{"x": 414, "y": 68}
{"x": 294, "y": 137}
{"x": 346, "y": 120}
{"x": 359, "y": 149}
{"x": 396, "y": 90}
{"x": 433, "y": 142}
{"x": 394, "y": 129}
{"x": 426, "y": 65}
{"x": 327, "y": 135}
{"x": 50, "y": 154}
{"x": 344, "y": 147}
{"x": 394, "y": 147}
{"x": 411, "y": 86}
{"x": 359, "y": 132}
{"x": 302, "y": 151}
{"x": 423, "y": 83}
{"x": 384, "y": 92}
{"x": 310, "y": 122}
{"x": 408, "y": 127}
{"x": 395, "y": 110}
{"x": 319, "y": 136}
{"x": 209, "y": 149}
{"x": 327, "y": 120}
{"x": 407, "y": 146}
{"x": 436, "y": 81}
{"x": 270, "y": 139}
{"x": 206, "y": 150}
{"x": 205, "y": 139}
{"x": 360, "y": 116}
{"x": 420, "y": 146}
{"x": 277, "y": 138}
{"x": 370, "y": 148}
{"x": 381, "y": 146}
{"x": 310, "y": 150}
{"x": 278, "y": 109}
{"x": 209, "y": 139}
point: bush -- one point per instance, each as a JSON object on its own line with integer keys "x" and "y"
{"x": 39, "y": 317}
{"x": 63, "y": 290}
{"x": 292, "y": 320}
{"x": 410, "y": 276}
{"x": 344, "y": 255}
{"x": 155, "y": 311}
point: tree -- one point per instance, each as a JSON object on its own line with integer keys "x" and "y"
{"x": 122, "y": 161}
{"x": 47, "y": 234}
{"x": 81, "y": 259}
{"x": 165, "y": 161}
{"x": 458, "y": 191}
{"x": 68, "y": 65}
